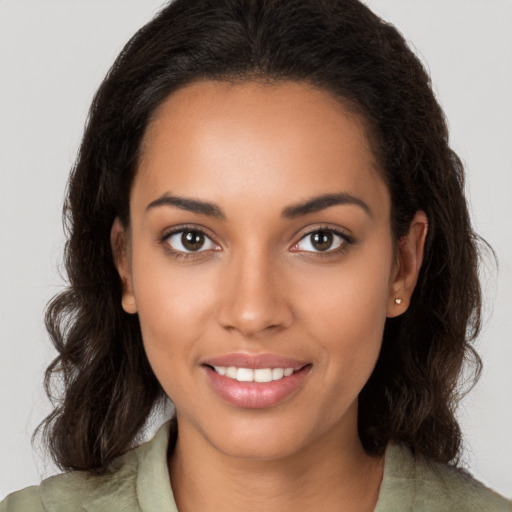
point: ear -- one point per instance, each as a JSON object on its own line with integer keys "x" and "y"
{"x": 407, "y": 267}
{"x": 119, "y": 242}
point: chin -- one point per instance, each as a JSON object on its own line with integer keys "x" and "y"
{"x": 258, "y": 448}
{"x": 271, "y": 435}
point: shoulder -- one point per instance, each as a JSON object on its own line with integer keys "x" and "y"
{"x": 119, "y": 488}
{"x": 28, "y": 499}
{"x": 438, "y": 484}
{"x": 422, "y": 485}
{"x": 78, "y": 490}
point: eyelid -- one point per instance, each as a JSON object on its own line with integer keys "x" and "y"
{"x": 339, "y": 232}
{"x": 164, "y": 240}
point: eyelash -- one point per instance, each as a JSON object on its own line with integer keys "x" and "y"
{"x": 347, "y": 240}
{"x": 183, "y": 254}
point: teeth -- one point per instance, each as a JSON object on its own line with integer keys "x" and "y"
{"x": 245, "y": 375}
{"x": 262, "y": 375}
{"x": 250, "y": 375}
{"x": 277, "y": 373}
{"x": 221, "y": 370}
{"x": 231, "y": 372}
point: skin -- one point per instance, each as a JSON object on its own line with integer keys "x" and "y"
{"x": 260, "y": 286}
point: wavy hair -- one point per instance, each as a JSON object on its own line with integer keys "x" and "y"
{"x": 106, "y": 389}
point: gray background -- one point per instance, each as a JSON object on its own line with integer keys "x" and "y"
{"x": 53, "y": 55}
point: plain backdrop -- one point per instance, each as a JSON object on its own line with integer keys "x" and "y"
{"x": 53, "y": 55}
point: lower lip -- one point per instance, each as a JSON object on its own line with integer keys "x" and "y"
{"x": 255, "y": 395}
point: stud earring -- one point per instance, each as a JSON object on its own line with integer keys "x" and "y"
{"x": 398, "y": 301}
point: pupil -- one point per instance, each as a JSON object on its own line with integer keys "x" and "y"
{"x": 322, "y": 240}
{"x": 192, "y": 240}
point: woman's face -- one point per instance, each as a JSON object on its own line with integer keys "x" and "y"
{"x": 260, "y": 244}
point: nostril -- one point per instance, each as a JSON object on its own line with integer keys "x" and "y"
{"x": 253, "y": 308}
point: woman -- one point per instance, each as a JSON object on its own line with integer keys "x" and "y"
{"x": 268, "y": 226}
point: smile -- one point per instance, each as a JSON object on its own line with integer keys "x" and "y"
{"x": 255, "y": 381}
{"x": 256, "y": 375}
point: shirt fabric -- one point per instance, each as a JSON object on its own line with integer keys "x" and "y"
{"x": 139, "y": 481}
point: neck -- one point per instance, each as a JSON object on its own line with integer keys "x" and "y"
{"x": 332, "y": 473}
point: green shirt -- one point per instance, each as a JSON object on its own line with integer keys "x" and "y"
{"x": 139, "y": 481}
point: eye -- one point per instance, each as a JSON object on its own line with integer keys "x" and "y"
{"x": 190, "y": 240}
{"x": 321, "y": 240}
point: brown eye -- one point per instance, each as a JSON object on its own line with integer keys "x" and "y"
{"x": 321, "y": 240}
{"x": 190, "y": 240}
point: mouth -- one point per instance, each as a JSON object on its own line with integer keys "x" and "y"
{"x": 253, "y": 375}
{"x": 255, "y": 382}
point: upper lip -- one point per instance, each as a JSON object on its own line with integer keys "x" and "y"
{"x": 255, "y": 361}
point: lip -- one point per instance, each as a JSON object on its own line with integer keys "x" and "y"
{"x": 255, "y": 395}
{"x": 255, "y": 361}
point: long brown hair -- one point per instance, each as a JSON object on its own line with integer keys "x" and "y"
{"x": 106, "y": 388}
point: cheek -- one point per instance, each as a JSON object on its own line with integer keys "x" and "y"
{"x": 174, "y": 308}
{"x": 353, "y": 294}
{"x": 345, "y": 312}
{"x": 351, "y": 327}
{"x": 350, "y": 349}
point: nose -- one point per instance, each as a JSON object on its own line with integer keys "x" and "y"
{"x": 254, "y": 300}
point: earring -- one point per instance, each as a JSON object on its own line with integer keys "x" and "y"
{"x": 398, "y": 301}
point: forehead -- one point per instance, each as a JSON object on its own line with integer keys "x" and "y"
{"x": 218, "y": 138}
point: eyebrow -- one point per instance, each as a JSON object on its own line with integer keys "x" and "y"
{"x": 312, "y": 205}
{"x": 191, "y": 205}
{"x": 319, "y": 203}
